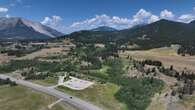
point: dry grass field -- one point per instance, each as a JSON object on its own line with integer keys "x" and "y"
{"x": 167, "y": 55}
{"x": 46, "y": 52}
{"x": 5, "y": 58}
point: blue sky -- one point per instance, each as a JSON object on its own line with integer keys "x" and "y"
{"x": 73, "y": 15}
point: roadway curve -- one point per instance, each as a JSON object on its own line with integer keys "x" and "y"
{"x": 81, "y": 104}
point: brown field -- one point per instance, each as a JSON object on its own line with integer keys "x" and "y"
{"x": 167, "y": 56}
{"x": 4, "y": 58}
{"x": 46, "y": 52}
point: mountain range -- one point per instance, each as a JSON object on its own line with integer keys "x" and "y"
{"x": 15, "y": 28}
{"x": 157, "y": 34}
{"x": 104, "y": 29}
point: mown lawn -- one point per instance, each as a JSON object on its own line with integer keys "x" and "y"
{"x": 99, "y": 94}
{"x": 21, "y": 98}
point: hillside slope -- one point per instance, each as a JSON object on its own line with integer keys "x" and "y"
{"x": 21, "y": 29}
{"x": 157, "y": 34}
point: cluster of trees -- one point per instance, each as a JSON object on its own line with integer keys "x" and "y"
{"x": 139, "y": 65}
{"x": 21, "y": 51}
{"x": 40, "y": 66}
{"x": 88, "y": 54}
{"x": 186, "y": 50}
{"x": 188, "y": 88}
{"x": 185, "y": 76}
{"x": 115, "y": 71}
{"x": 152, "y": 62}
{"x": 135, "y": 92}
{"x": 31, "y": 74}
{"x": 169, "y": 71}
{"x": 92, "y": 37}
{"x": 188, "y": 79}
{"x": 94, "y": 55}
{"x": 7, "y": 81}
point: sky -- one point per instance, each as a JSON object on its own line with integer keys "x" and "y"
{"x": 73, "y": 15}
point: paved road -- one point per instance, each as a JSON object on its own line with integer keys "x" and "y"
{"x": 81, "y": 104}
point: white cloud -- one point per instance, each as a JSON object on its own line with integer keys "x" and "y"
{"x": 141, "y": 17}
{"x": 142, "y": 14}
{"x": 153, "y": 18}
{"x": 186, "y": 18}
{"x": 53, "y": 22}
{"x": 3, "y": 10}
{"x": 166, "y": 14}
{"x": 101, "y": 20}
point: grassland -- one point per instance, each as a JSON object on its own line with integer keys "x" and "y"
{"x": 5, "y": 58}
{"x": 189, "y": 102}
{"x": 21, "y": 98}
{"x": 49, "y": 81}
{"x": 43, "y": 53}
{"x": 99, "y": 94}
{"x": 167, "y": 55}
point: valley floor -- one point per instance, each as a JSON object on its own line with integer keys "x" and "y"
{"x": 102, "y": 93}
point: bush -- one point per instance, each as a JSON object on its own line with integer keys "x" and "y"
{"x": 152, "y": 62}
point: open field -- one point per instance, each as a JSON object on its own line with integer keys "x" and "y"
{"x": 189, "y": 102}
{"x": 99, "y": 94}
{"x": 49, "y": 81}
{"x": 45, "y": 52}
{"x": 21, "y": 98}
{"x": 4, "y": 58}
{"x": 166, "y": 55}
